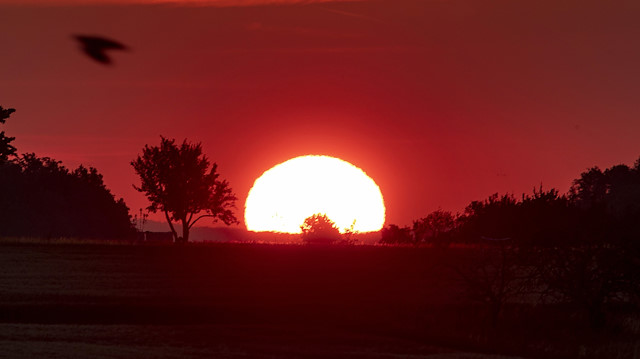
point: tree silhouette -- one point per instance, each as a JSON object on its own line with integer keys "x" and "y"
{"x": 494, "y": 276}
{"x": 580, "y": 248}
{"x": 435, "y": 228}
{"x": 494, "y": 217}
{"x": 47, "y": 200}
{"x": 590, "y": 276}
{"x": 177, "y": 181}
{"x": 615, "y": 191}
{"x": 393, "y": 234}
{"x": 6, "y": 149}
{"x": 39, "y": 197}
{"x": 599, "y": 266}
{"x": 545, "y": 219}
{"x": 319, "y": 229}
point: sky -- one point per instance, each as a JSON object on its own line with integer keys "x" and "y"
{"x": 441, "y": 102}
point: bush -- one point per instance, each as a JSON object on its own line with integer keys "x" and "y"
{"x": 319, "y": 229}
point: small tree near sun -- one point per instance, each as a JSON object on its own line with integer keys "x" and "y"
{"x": 350, "y": 234}
{"x": 178, "y": 181}
{"x": 320, "y": 229}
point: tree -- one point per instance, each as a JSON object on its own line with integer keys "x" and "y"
{"x": 545, "y": 219}
{"x": 590, "y": 276}
{"x": 494, "y": 275}
{"x": 393, "y": 234}
{"x": 495, "y": 217}
{"x": 42, "y": 198}
{"x": 599, "y": 266}
{"x": 6, "y": 149}
{"x": 590, "y": 190}
{"x": 434, "y": 228}
{"x": 319, "y": 229}
{"x": 180, "y": 181}
{"x": 47, "y": 200}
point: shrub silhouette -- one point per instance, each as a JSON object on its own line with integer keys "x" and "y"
{"x": 319, "y": 229}
{"x": 392, "y": 234}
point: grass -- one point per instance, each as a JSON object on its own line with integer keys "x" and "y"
{"x": 89, "y": 299}
{"x": 62, "y": 240}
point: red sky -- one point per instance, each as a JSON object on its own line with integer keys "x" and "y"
{"x": 440, "y": 102}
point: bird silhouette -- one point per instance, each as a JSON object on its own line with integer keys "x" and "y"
{"x": 96, "y": 47}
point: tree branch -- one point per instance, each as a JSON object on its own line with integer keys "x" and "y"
{"x": 197, "y": 219}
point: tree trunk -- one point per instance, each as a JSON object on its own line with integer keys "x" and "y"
{"x": 173, "y": 230}
{"x": 185, "y": 230}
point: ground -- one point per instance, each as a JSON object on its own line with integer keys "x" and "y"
{"x": 233, "y": 300}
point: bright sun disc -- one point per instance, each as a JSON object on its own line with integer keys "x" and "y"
{"x": 285, "y": 195}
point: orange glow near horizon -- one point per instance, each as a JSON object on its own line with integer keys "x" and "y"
{"x": 285, "y": 195}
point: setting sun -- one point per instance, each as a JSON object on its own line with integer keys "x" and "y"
{"x": 285, "y": 195}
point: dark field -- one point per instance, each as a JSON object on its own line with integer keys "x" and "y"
{"x": 247, "y": 300}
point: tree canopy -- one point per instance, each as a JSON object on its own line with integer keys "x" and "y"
{"x": 435, "y": 228}
{"x": 39, "y": 197}
{"x": 180, "y": 182}
{"x": 42, "y": 198}
{"x": 319, "y": 229}
{"x": 394, "y": 234}
{"x": 580, "y": 247}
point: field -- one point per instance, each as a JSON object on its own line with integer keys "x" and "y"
{"x": 266, "y": 301}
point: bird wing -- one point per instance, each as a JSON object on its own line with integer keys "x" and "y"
{"x": 100, "y": 42}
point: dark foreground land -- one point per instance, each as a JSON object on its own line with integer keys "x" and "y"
{"x": 268, "y": 301}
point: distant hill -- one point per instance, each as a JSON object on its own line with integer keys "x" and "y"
{"x": 239, "y": 234}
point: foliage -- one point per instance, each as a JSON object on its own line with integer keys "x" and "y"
{"x": 574, "y": 248}
{"x": 319, "y": 229}
{"x": 590, "y": 189}
{"x": 494, "y": 276}
{"x": 435, "y": 228}
{"x": 180, "y": 181}
{"x": 6, "y": 149}
{"x": 392, "y": 234}
{"x": 610, "y": 201}
{"x": 493, "y": 217}
{"x": 349, "y": 235}
{"x": 589, "y": 276}
{"x": 47, "y": 200}
{"x": 545, "y": 219}
{"x": 580, "y": 248}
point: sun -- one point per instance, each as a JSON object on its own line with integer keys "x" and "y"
{"x": 285, "y": 195}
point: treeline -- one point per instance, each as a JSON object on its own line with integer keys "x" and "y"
{"x": 601, "y": 206}
{"x": 39, "y": 197}
{"x": 582, "y": 247}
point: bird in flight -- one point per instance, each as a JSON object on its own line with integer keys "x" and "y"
{"x": 96, "y": 47}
